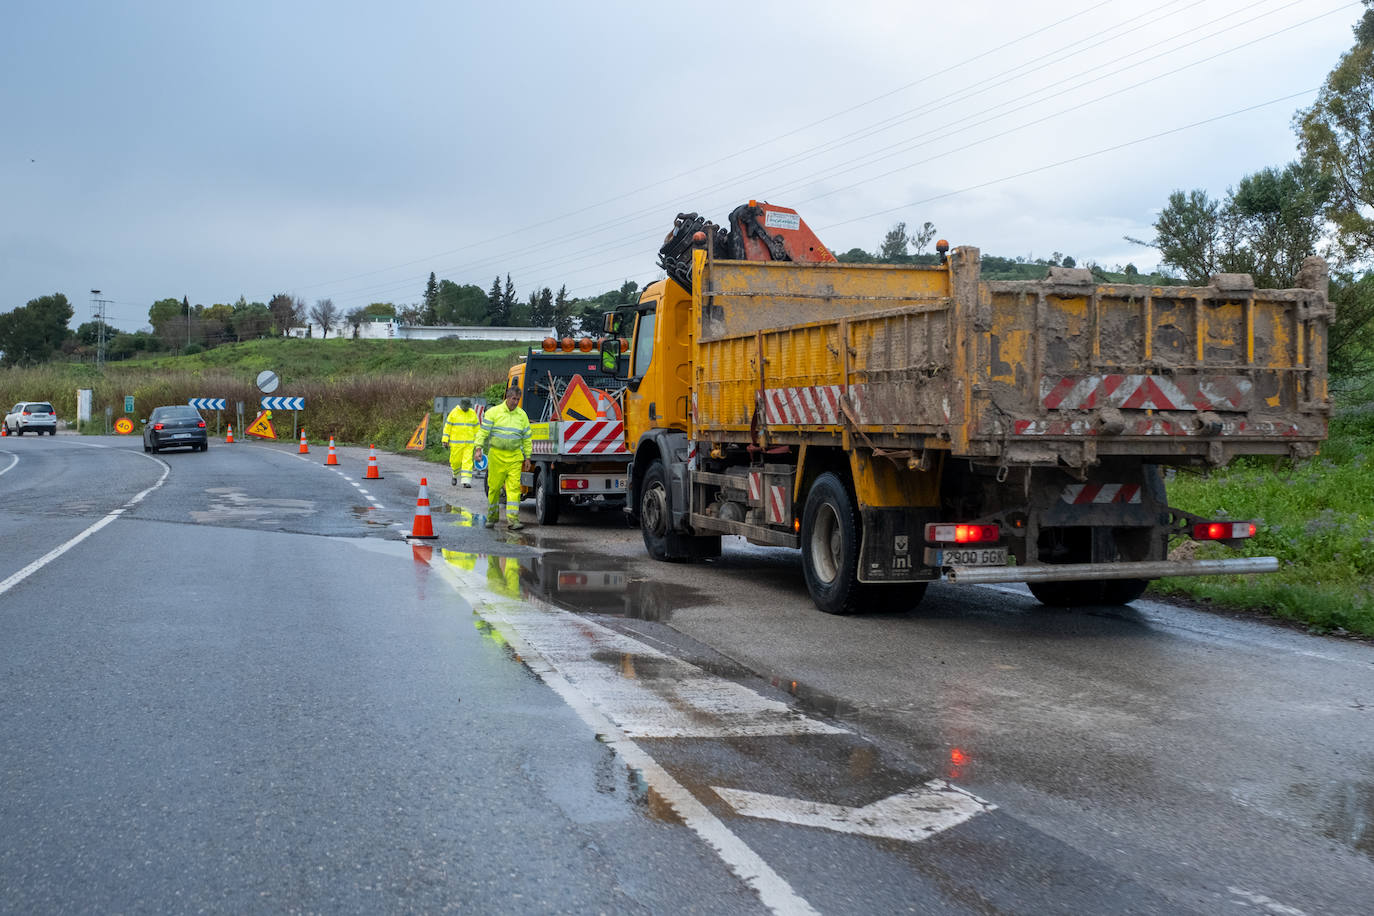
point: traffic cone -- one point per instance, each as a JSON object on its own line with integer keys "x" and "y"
{"x": 333, "y": 458}
{"x": 423, "y": 525}
{"x": 305, "y": 449}
{"x": 229, "y": 439}
{"x": 372, "y": 466}
{"x": 4, "y": 430}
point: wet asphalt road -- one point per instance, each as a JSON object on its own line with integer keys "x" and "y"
{"x": 246, "y": 692}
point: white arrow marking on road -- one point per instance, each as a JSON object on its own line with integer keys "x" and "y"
{"x": 909, "y": 816}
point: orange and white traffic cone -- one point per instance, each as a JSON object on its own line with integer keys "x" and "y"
{"x": 229, "y": 439}
{"x": 4, "y": 430}
{"x": 305, "y": 449}
{"x": 332, "y": 458}
{"x": 423, "y": 525}
{"x": 372, "y": 466}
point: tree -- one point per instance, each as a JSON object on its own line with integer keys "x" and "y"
{"x": 409, "y": 314}
{"x": 1187, "y": 234}
{"x": 325, "y": 314}
{"x": 508, "y": 301}
{"x": 32, "y": 333}
{"x": 1278, "y": 218}
{"x": 282, "y": 309}
{"x": 461, "y": 305}
{"x": 168, "y": 321}
{"x": 541, "y": 308}
{"x": 382, "y": 310}
{"x": 1337, "y": 136}
{"x": 563, "y": 310}
{"x": 1068, "y": 262}
{"x": 354, "y": 319}
{"x": 494, "y": 302}
{"x": 431, "y": 313}
{"x": 923, "y": 237}
{"x": 251, "y": 320}
{"x": 894, "y": 244}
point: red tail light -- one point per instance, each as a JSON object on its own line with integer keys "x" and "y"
{"x": 1223, "y": 531}
{"x": 937, "y": 533}
{"x": 573, "y": 483}
{"x": 201, "y": 424}
{"x": 157, "y": 426}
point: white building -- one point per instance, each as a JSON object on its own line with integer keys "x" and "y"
{"x": 390, "y": 329}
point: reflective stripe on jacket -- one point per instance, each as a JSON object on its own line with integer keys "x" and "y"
{"x": 508, "y": 430}
{"x": 460, "y": 427}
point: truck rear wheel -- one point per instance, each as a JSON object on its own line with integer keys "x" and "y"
{"x": 546, "y": 496}
{"x": 1076, "y": 547}
{"x": 830, "y": 546}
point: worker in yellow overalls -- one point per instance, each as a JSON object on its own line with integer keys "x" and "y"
{"x": 506, "y": 438}
{"x": 460, "y": 437}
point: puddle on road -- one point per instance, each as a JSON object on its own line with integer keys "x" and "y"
{"x": 230, "y": 504}
{"x": 576, "y": 582}
{"x": 368, "y": 516}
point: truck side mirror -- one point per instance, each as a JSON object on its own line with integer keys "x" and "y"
{"x": 608, "y": 322}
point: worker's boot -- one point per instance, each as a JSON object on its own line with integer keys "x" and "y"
{"x": 515, "y": 524}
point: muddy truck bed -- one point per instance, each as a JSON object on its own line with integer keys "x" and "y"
{"x": 1057, "y": 371}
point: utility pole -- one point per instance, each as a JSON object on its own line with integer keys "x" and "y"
{"x": 98, "y": 308}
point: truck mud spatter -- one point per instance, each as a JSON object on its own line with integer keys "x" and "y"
{"x": 901, "y": 424}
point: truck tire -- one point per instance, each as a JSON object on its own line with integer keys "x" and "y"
{"x": 546, "y": 504}
{"x": 655, "y": 523}
{"x": 1087, "y": 592}
{"x": 830, "y": 547}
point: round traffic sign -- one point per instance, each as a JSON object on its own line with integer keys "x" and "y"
{"x": 268, "y": 381}
{"x": 124, "y": 426}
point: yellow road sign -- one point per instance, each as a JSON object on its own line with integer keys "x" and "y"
{"x": 124, "y": 426}
{"x": 262, "y": 426}
{"x": 417, "y": 440}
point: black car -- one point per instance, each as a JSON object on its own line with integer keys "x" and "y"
{"x": 177, "y": 426}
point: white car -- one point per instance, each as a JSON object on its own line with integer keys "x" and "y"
{"x": 31, "y": 416}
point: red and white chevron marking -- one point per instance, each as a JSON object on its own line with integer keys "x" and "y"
{"x": 777, "y": 504}
{"x": 544, "y": 447}
{"x": 592, "y": 437}
{"x": 815, "y": 405}
{"x": 755, "y": 486}
{"x": 1152, "y": 426}
{"x": 1082, "y": 494}
{"x": 1145, "y": 392}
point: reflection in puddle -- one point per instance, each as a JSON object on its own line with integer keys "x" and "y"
{"x": 462, "y": 518}
{"x": 368, "y": 516}
{"x": 576, "y": 582}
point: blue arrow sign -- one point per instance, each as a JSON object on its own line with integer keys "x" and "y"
{"x": 283, "y": 403}
{"x": 207, "y": 403}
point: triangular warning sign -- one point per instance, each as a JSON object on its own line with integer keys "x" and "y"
{"x": 578, "y": 402}
{"x": 262, "y": 426}
{"x": 417, "y": 441}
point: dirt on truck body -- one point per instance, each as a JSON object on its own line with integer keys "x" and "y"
{"x": 901, "y": 424}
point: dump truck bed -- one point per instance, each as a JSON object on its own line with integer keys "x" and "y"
{"x": 1053, "y": 371}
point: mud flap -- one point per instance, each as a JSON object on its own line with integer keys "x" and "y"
{"x": 893, "y": 546}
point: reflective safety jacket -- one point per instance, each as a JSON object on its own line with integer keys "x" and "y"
{"x": 460, "y": 428}
{"x": 506, "y": 430}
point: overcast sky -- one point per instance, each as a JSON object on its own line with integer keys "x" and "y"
{"x": 346, "y": 150}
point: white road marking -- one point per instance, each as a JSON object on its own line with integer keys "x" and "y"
{"x": 1265, "y": 903}
{"x": 909, "y": 816}
{"x": 503, "y": 613}
{"x": 56, "y": 552}
{"x": 14, "y": 459}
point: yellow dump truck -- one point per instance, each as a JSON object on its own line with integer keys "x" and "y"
{"x": 905, "y": 424}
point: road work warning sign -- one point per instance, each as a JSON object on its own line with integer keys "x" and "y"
{"x": 262, "y": 426}
{"x": 417, "y": 440}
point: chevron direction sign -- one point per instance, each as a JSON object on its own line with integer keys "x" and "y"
{"x": 207, "y": 403}
{"x": 283, "y": 403}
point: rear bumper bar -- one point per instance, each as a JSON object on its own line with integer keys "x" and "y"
{"x": 978, "y": 575}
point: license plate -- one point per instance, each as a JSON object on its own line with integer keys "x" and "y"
{"x": 975, "y": 556}
{"x": 181, "y": 436}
